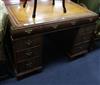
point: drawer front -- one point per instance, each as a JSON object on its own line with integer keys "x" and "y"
{"x": 26, "y": 42}
{"x": 82, "y": 38}
{"x": 79, "y": 48}
{"x": 84, "y": 33}
{"x": 28, "y": 65}
{"x": 27, "y": 53}
{"x": 87, "y": 29}
{"x": 90, "y": 28}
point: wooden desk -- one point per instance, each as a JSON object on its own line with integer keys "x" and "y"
{"x": 75, "y": 28}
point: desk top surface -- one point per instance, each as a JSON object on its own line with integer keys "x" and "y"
{"x": 46, "y": 13}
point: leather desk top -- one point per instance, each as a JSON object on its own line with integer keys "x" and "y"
{"x": 45, "y": 14}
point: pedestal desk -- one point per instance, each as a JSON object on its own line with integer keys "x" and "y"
{"x": 72, "y": 31}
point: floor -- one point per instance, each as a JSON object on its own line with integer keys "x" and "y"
{"x": 61, "y": 71}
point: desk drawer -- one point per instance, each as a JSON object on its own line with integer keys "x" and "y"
{"x": 26, "y": 42}
{"x": 82, "y": 38}
{"x": 87, "y": 29}
{"x": 28, "y": 53}
{"x": 84, "y": 33}
{"x": 78, "y": 50}
{"x": 28, "y": 65}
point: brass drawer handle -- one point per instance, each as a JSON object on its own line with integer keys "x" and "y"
{"x": 11, "y": 38}
{"x": 73, "y": 22}
{"x": 90, "y": 19}
{"x": 54, "y": 26}
{"x": 28, "y": 54}
{"x": 29, "y": 42}
{"x": 29, "y": 64}
{"x": 28, "y": 31}
{"x": 80, "y": 47}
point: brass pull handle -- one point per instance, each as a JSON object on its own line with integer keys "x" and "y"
{"x": 28, "y": 54}
{"x": 29, "y": 42}
{"x": 28, "y": 31}
{"x": 90, "y": 19}
{"x": 29, "y": 64}
{"x": 54, "y": 26}
{"x": 11, "y": 38}
{"x": 80, "y": 48}
{"x": 73, "y": 22}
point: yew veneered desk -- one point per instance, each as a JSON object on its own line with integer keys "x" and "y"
{"x": 74, "y": 30}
